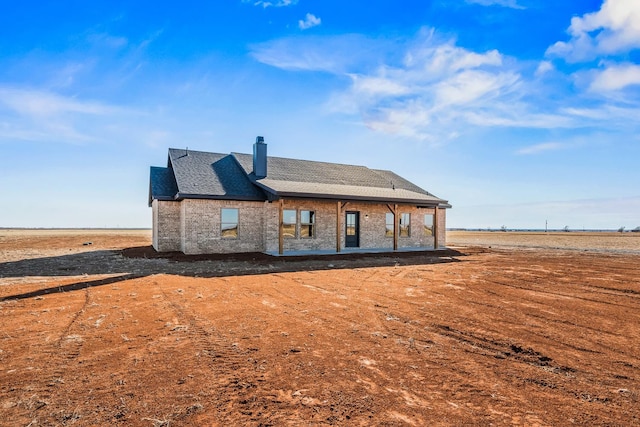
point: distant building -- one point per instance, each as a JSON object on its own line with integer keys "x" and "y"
{"x": 224, "y": 203}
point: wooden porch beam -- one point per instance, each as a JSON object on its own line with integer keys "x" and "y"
{"x": 435, "y": 228}
{"x": 281, "y": 227}
{"x": 396, "y": 227}
{"x": 339, "y": 207}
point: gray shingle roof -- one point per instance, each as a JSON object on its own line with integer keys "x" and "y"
{"x": 207, "y": 175}
{"x": 303, "y": 178}
{"x": 162, "y": 184}
{"x": 346, "y": 192}
{"x": 198, "y": 174}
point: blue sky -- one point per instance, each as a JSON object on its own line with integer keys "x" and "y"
{"x": 516, "y": 111}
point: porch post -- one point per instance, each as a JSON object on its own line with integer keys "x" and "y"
{"x": 280, "y": 227}
{"x": 396, "y": 227}
{"x": 338, "y": 224}
{"x": 436, "y": 231}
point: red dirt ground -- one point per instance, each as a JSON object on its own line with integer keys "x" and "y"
{"x": 471, "y": 336}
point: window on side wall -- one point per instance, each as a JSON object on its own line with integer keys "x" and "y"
{"x": 405, "y": 225}
{"x": 289, "y": 223}
{"x": 229, "y": 223}
{"x": 307, "y": 224}
{"x": 388, "y": 230}
{"x": 428, "y": 224}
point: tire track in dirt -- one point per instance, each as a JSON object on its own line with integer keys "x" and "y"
{"x": 595, "y": 267}
{"x": 347, "y": 315}
{"x": 536, "y": 314}
{"x": 61, "y": 354}
{"x": 500, "y": 349}
{"x": 581, "y": 280}
{"x": 556, "y": 294}
{"x": 236, "y": 375}
{"x": 383, "y": 329}
{"x": 384, "y": 306}
{"x": 333, "y": 405}
{"x": 544, "y": 372}
{"x": 512, "y": 351}
{"x": 340, "y": 403}
{"x": 533, "y": 287}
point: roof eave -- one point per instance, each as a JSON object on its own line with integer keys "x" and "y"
{"x": 161, "y": 198}
{"x": 182, "y": 196}
{"x": 422, "y": 202}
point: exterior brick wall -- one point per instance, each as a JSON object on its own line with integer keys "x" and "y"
{"x": 372, "y": 226}
{"x": 325, "y": 226}
{"x": 271, "y": 227}
{"x": 201, "y": 230}
{"x": 193, "y": 226}
{"x": 442, "y": 228}
{"x": 166, "y": 226}
{"x": 417, "y": 224}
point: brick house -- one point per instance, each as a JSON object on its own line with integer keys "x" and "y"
{"x": 224, "y": 203}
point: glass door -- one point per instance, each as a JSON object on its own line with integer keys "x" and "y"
{"x": 352, "y": 229}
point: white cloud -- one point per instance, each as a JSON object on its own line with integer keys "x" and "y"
{"x": 538, "y": 148}
{"x": 309, "y": 21}
{"x": 607, "y": 116}
{"x": 505, "y": 3}
{"x": 42, "y": 103}
{"x": 543, "y": 68}
{"x": 380, "y": 86}
{"x": 616, "y": 77}
{"x": 517, "y": 115}
{"x": 278, "y": 3}
{"x": 438, "y": 90}
{"x": 430, "y": 89}
{"x": 334, "y": 54}
{"x": 441, "y": 57}
{"x": 614, "y": 29}
{"x": 107, "y": 40}
{"x": 38, "y": 115}
{"x": 467, "y": 86}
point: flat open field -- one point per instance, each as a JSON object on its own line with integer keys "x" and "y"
{"x": 476, "y": 335}
{"x": 602, "y": 242}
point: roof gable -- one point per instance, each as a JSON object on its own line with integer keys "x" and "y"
{"x": 200, "y": 174}
{"x": 162, "y": 184}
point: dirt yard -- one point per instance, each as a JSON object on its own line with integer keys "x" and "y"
{"x": 486, "y": 333}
